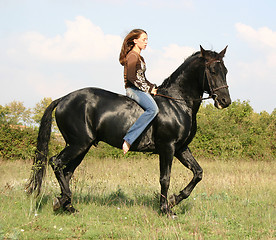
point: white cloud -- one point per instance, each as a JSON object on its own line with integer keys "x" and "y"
{"x": 53, "y": 66}
{"x": 262, "y": 37}
{"x": 84, "y": 56}
{"x": 81, "y": 56}
{"x": 173, "y": 51}
{"x": 83, "y": 41}
{"x": 54, "y": 86}
{"x": 255, "y": 69}
{"x": 262, "y": 40}
{"x": 161, "y": 64}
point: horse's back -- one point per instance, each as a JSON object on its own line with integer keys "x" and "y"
{"x": 93, "y": 114}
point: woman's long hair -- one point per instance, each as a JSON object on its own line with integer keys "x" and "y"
{"x": 128, "y": 44}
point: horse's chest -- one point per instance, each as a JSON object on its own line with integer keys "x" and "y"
{"x": 175, "y": 129}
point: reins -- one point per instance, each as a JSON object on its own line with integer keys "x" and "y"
{"x": 182, "y": 99}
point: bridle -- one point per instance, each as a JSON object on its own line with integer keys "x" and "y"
{"x": 208, "y": 75}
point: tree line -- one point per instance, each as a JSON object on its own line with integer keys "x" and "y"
{"x": 232, "y": 133}
{"x": 15, "y": 113}
{"x": 236, "y": 132}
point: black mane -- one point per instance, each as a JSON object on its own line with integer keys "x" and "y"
{"x": 183, "y": 67}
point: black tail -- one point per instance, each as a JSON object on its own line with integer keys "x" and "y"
{"x": 40, "y": 160}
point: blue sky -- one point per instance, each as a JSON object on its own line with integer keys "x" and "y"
{"x": 49, "y": 48}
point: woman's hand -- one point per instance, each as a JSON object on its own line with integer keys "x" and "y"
{"x": 154, "y": 91}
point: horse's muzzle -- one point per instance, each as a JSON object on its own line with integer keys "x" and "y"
{"x": 221, "y": 102}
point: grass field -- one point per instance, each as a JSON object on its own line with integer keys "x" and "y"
{"x": 119, "y": 199}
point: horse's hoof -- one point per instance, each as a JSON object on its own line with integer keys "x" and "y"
{"x": 56, "y": 204}
{"x": 167, "y": 211}
{"x": 70, "y": 209}
{"x": 173, "y": 215}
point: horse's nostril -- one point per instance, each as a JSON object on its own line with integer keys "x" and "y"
{"x": 225, "y": 102}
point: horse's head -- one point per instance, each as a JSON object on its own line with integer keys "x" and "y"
{"x": 215, "y": 77}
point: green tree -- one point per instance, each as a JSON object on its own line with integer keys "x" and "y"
{"x": 15, "y": 113}
{"x": 39, "y": 109}
{"x": 235, "y": 132}
{"x": 3, "y": 114}
{"x": 240, "y": 111}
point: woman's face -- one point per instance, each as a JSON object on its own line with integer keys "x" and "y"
{"x": 142, "y": 41}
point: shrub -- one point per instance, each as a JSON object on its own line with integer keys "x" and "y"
{"x": 17, "y": 142}
{"x": 236, "y": 131}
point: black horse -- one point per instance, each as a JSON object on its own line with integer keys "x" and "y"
{"x": 90, "y": 115}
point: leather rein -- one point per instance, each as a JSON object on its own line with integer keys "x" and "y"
{"x": 212, "y": 91}
{"x": 182, "y": 99}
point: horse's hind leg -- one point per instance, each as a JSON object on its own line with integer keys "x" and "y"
{"x": 64, "y": 165}
{"x": 187, "y": 159}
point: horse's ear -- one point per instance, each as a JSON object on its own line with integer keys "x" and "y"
{"x": 222, "y": 53}
{"x": 202, "y": 51}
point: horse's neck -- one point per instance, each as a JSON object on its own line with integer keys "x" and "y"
{"x": 185, "y": 83}
{"x": 186, "y": 86}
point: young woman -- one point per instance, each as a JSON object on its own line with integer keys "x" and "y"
{"x": 136, "y": 84}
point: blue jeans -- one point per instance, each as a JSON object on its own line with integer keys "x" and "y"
{"x": 146, "y": 101}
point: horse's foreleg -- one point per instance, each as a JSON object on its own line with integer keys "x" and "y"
{"x": 165, "y": 160}
{"x": 187, "y": 159}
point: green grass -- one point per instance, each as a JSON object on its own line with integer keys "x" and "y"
{"x": 119, "y": 199}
